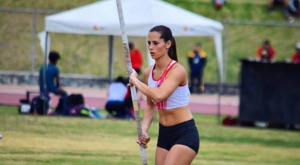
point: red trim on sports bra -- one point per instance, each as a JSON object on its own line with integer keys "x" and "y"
{"x": 163, "y": 105}
{"x": 184, "y": 84}
{"x": 169, "y": 68}
{"x": 162, "y": 74}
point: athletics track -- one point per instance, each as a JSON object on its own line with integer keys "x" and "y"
{"x": 203, "y": 104}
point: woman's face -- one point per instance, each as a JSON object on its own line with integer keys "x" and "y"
{"x": 157, "y": 46}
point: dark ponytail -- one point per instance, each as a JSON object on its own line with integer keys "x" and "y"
{"x": 166, "y": 35}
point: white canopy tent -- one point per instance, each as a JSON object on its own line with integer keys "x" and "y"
{"x": 101, "y": 18}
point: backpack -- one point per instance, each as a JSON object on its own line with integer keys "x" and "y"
{"x": 61, "y": 108}
{"x": 39, "y": 105}
{"x": 24, "y": 107}
{"x": 75, "y": 99}
{"x": 78, "y": 110}
{"x": 81, "y": 110}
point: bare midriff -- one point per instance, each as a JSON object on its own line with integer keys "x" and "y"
{"x": 174, "y": 116}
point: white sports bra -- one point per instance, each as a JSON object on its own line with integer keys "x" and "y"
{"x": 180, "y": 97}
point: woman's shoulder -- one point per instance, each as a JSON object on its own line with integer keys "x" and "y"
{"x": 178, "y": 68}
{"x": 178, "y": 72}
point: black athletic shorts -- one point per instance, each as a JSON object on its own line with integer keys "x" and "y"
{"x": 184, "y": 133}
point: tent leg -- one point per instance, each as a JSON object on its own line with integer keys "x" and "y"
{"x": 45, "y": 61}
{"x": 218, "y": 44}
{"x": 225, "y": 52}
{"x": 149, "y": 58}
{"x": 220, "y": 91}
{"x": 110, "y": 57}
{"x": 45, "y": 71}
{"x": 33, "y": 42}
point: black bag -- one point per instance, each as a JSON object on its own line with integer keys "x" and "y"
{"x": 61, "y": 107}
{"x": 75, "y": 99}
{"x": 25, "y": 107}
{"x": 39, "y": 105}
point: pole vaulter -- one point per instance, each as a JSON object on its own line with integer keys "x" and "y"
{"x": 132, "y": 88}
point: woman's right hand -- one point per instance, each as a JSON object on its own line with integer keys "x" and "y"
{"x": 143, "y": 140}
{"x": 131, "y": 77}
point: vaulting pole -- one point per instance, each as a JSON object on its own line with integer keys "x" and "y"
{"x": 132, "y": 89}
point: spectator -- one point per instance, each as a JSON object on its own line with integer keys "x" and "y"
{"x": 197, "y": 61}
{"x": 119, "y": 102}
{"x": 266, "y": 52}
{"x": 275, "y": 3}
{"x": 136, "y": 58}
{"x": 287, "y": 5}
{"x": 52, "y": 80}
{"x": 136, "y": 62}
{"x": 292, "y": 9}
{"x": 218, "y": 4}
{"x": 52, "y": 75}
{"x": 296, "y": 55}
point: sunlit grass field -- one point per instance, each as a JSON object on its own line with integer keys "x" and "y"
{"x": 88, "y": 54}
{"x": 31, "y": 140}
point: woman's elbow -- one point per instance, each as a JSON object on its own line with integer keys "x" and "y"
{"x": 159, "y": 98}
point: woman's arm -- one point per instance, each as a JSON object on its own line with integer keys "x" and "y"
{"x": 176, "y": 76}
{"x": 150, "y": 108}
{"x": 148, "y": 115}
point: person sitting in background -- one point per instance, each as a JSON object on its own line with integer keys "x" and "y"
{"x": 218, "y": 4}
{"x": 117, "y": 104}
{"x": 296, "y": 55}
{"x": 293, "y": 8}
{"x": 52, "y": 81}
{"x": 290, "y": 7}
{"x": 266, "y": 52}
{"x": 275, "y": 3}
{"x": 52, "y": 76}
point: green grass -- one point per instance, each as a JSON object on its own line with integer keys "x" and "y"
{"x": 87, "y": 54}
{"x": 73, "y": 141}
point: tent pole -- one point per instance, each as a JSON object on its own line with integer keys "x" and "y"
{"x": 110, "y": 57}
{"x": 44, "y": 95}
{"x": 33, "y": 41}
{"x": 225, "y": 52}
{"x": 149, "y": 58}
{"x": 220, "y": 90}
{"x": 218, "y": 44}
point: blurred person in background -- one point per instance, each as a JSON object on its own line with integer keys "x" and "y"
{"x": 218, "y": 4}
{"x": 293, "y": 9}
{"x": 266, "y": 52}
{"x": 296, "y": 55}
{"x": 119, "y": 99}
{"x": 53, "y": 82}
{"x": 52, "y": 76}
{"x": 277, "y": 3}
{"x": 136, "y": 58}
{"x": 136, "y": 62}
{"x": 197, "y": 61}
{"x": 290, "y": 7}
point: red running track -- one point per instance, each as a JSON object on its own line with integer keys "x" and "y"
{"x": 196, "y": 106}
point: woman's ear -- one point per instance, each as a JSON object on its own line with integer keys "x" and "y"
{"x": 168, "y": 44}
